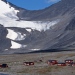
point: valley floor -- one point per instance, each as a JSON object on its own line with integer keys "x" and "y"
{"x": 16, "y": 66}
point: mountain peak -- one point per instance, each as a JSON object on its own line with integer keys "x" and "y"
{"x": 4, "y": 1}
{"x": 68, "y": 1}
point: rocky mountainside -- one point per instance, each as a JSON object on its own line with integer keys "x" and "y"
{"x": 47, "y": 29}
{"x": 5, "y": 43}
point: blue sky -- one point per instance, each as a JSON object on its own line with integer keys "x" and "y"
{"x": 33, "y": 4}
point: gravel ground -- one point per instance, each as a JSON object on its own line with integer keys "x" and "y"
{"x": 16, "y": 66}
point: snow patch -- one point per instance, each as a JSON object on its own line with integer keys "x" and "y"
{"x": 7, "y": 11}
{"x": 11, "y": 34}
{"x": 24, "y": 46}
{"x": 15, "y": 45}
{"x": 20, "y": 36}
{"x": 6, "y": 49}
{"x": 29, "y": 30}
{"x": 34, "y": 49}
{"x": 15, "y": 35}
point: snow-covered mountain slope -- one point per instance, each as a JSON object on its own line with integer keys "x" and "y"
{"x": 8, "y": 18}
{"x": 24, "y": 24}
{"x": 7, "y": 11}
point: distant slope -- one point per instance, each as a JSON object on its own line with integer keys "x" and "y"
{"x": 51, "y": 29}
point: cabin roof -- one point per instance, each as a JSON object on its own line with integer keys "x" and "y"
{"x": 52, "y": 60}
{"x": 69, "y": 60}
{"x": 28, "y": 62}
{"x": 61, "y": 63}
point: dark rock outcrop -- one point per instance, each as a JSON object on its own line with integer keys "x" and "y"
{"x": 5, "y": 43}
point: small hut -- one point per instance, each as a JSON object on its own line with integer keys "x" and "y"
{"x": 28, "y": 63}
{"x": 3, "y": 65}
{"x": 52, "y": 62}
{"x": 61, "y": 64}
{"x": 73, "y": 64}
{"x": 68, "y": 62}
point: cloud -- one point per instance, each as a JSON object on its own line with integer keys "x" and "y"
{"x": 52, "y": 1}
